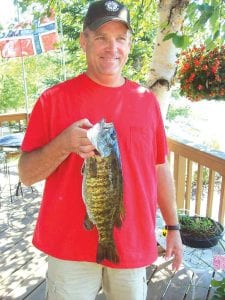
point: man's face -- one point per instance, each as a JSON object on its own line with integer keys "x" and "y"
{"x": 106, "y": 50}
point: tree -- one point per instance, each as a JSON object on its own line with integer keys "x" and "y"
{"x": 40, "y": 72}
{"x": 10, "y": 92}
{"x": 180, "y": 23}
{"x": 163, "y": 64}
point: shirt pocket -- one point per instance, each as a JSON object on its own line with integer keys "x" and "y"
{"x": 141, "y": 140}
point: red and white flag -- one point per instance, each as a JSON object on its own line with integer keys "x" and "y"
{"x": 29, "y": 38}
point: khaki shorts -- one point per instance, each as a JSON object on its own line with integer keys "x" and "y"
{"x": 69, "y": 280}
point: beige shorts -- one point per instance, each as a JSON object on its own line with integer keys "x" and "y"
{"x": 69, "y": 280}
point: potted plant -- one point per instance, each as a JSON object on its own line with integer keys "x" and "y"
{"x": 201, "y": 73}
{"x": 199, "y": 232}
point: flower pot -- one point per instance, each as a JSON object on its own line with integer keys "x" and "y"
{"x": 200, "y": 232}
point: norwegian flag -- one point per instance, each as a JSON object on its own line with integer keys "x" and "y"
{"x": 29, "y": 38}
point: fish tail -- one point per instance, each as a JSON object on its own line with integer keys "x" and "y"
{"x": 107, "y": 252}
{"x": 118, "y": 222}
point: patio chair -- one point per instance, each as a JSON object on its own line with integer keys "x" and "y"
{"x": 8, "y": 168}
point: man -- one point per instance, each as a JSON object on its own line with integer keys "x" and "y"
{"x": 55, "y": 146}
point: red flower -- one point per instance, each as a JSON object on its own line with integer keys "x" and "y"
{"x": 186, "y": 67}
{"x": 214, "y": 69}
{"x": 191, "y": 78}
{"x": 196, "y": 63}
{"x": 200, "y": 87}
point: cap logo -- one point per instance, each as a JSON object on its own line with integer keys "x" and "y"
{"x": 111, "y": 6}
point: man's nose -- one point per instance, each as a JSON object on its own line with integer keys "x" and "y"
{"x": 112, "y": 45}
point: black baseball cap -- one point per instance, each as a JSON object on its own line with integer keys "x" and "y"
{"x": 100, "y": 12}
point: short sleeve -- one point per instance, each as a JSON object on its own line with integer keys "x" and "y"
{"x": 36, "y": 133}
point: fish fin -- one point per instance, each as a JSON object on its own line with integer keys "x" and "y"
{"x": 88, "y": 224}
{"x": 107, "y": 252}
{"x": 118, "y": 222}
{"x": 82, "y": 169}
{"x": 120, "y": 214}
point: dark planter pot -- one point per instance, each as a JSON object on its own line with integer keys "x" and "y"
{"x": 197, "y": 240}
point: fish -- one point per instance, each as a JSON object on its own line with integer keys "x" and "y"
{"x": 102, "y": 189}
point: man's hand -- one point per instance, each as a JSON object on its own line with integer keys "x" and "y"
{"x": 167, "y": 205}
{"x": 75, "y": 139}
{"x": 174, "y": 248}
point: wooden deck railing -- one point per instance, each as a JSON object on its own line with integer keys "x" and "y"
{"x": 10, "y": 119}
{"x": 199, "y": 176}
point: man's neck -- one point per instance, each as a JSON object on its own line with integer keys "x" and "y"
{"x": 109, "y": 81}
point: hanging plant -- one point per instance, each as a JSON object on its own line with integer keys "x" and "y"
{"x": 201, "y": 73}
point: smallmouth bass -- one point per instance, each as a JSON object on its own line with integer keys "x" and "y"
{"x": 102, "y": 190}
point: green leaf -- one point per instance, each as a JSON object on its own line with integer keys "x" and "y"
{"x": 210, "y": 43}
{"x": 219, "y": 284}
{"x": 191, "y": 10}
{"x": 181, "y": 41}
{"x": 206, "y": 13}
{"x": 205, "y": 7}
{"x": 216, "y": 35}
{"x": 169, "y": 36}
{"x": 215, "y": 17}
{"x": 215, "y": 283}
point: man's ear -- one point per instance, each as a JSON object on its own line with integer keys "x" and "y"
{"x": 83, "y": 42}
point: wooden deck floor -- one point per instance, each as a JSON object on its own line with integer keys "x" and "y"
{"x": 23, "y": 268}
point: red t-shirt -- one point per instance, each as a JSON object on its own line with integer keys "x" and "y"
{"x": 136, "y": 115}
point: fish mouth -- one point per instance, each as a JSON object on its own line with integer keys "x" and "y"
{"x": 96, "y": 152}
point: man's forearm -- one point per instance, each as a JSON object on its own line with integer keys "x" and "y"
{"x": 166, "y": 195}
{"x": 39, "y": 164}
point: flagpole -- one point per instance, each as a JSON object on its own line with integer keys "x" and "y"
{"x": 61, "y": 42}
{"x": 25, "y": 86}
{"x": 23, "y": 69}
